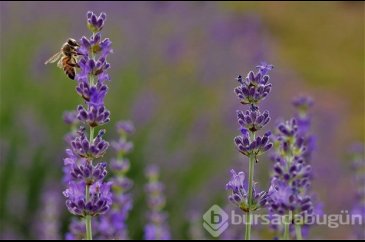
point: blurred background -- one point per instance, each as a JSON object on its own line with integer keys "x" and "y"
{"x": 173, "y": 74}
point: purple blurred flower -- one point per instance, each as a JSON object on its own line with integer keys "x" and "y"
{"x": 264, "y": 68}
{"x": 303, "y": 105}
{"x": 291, "y": 172}
{"x": 70, "y": 118}
{"x": 286, "y": 198}
{"x": 76, "y": 230}
{"x": 125, "y": 127}
{"x": 122, "y": 146}
{"x": 48, "y": 226}
{"x": 113, "y": 224}
{"x": 157, "y": 227}
{"x": 291, "y": 180}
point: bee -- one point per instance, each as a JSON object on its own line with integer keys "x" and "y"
{"x": 66, "y": 58}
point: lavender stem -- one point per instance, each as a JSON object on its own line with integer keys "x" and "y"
{"x": 286, "y": 230}
{"x": 89, "y": 233}
{"x": 251, "y": 168}
{"x": 298, "y": 231}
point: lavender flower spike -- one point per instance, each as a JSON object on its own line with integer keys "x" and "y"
{"x": 48, "y": 225}
{"x": 113, "y": 225}
{"x": 87, "y": 195}
{"x": 291, "y": 178}
{"x": 251, "y": 91}
{"x": 156, "y": 228}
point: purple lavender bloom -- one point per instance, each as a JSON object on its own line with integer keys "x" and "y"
{"x": 264, "y": 68}
{"x": 239, "y": 193}
{"x": 95, "y": 23}
{"x": 254, "y": 88}
{"x": 82, "y": 147}
{"x": 96, "y": 114}
{"x": 253, "y": 120}
{"x": 99, "y": 203}
{"x": 87, "y": 172}
{"x": 157, "y": 227}
{"x": 255, "y": 147}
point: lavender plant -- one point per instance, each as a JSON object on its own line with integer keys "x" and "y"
{"x": 157, "y": 227}
{"x": 251, "y": 91}
{"x": 291, "y": 179}
{"x": 113, "y": 224}
{"x": 48, "y": 224}
{"x": 70, "y": 118}
{"x": 87, "y": 195}
{"x": 303, "y": 104}
{"x": 290, "y": 175}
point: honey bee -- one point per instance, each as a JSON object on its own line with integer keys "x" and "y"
{"x": 66, "y": 58}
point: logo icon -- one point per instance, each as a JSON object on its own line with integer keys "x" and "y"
{"x": 215, "y": 221}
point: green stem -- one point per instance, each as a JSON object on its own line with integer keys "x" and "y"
{"x": 286, "y": 227}
{"x": 286, "y": 231}
{"x": 252, "y": 160}
{"x": 91, "y": 138}
{"x": 298, "y": 231}
{"x": 89, "y": 233}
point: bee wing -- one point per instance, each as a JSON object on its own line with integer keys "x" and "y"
{"x": 59, "y": 64}
{"x": 54, "y": 58}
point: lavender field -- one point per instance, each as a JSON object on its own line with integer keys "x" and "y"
{"x": 182, "y": 120}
